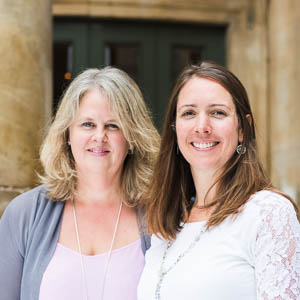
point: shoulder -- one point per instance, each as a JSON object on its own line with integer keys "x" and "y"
{"x": 265, "y": 203}
{"x": 272, "y": 213}
{"x": 28, "y": 200}
{"x": 27, "y": 206}
{"x": 29, "y": 213}
{"x": 265, "y": 210}
{"x": 33, "y": 193}
{"x": 265, "y": 218}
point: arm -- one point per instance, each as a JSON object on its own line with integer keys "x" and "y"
{"x": 277, "y": 252}
{"x": 11, "y": 258}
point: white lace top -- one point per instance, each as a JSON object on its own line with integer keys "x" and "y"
{"x": 255, "y": 255}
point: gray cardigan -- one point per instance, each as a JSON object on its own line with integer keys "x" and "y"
{"x": 29, "y": 230}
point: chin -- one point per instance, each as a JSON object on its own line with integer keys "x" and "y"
{"x": 205, "y": 166}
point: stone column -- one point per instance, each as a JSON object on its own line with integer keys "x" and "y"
{"x": 246, "y": 53}
{"x": 284, "y": 72}
{"x": 25, "y": 91}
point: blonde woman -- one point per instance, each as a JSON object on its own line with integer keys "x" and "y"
{"x": 80, "y": 235}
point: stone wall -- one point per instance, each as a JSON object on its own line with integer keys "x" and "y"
{"x": 284, "y": 100}
{"x": 25, "y": 91}
{"x": 210, "y": 11}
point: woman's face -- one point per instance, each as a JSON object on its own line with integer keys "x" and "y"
{"x": 97, "y": 142}
{"x": 206, "y": 124}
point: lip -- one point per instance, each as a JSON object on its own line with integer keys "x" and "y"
{"x": 206, "y": 145}
{"x": 98, "y": 151}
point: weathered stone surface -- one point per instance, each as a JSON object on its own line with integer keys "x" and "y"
{"x": 214, "y": 11}
{"x": 247, "y": 58}
{"x": 25, "y": 87}
{"x": 284, "y": 95}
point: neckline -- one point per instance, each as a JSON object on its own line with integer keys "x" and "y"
{"x": 99, "y": 254}
{"x": 203, "y": 222}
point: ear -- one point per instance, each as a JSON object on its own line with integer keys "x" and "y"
{"x": 241, "y": 134}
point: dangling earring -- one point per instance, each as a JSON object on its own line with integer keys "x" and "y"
{"x": 193, "y": 199}
{"x": 240, "y": 149}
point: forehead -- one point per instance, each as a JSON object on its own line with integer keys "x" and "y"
{"x": 198, "y": 91}
{"x": 93, "y": 98}
{"x": 95, "y": 102}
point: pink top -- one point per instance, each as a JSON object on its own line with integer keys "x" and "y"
{"x": 63, "y": 277}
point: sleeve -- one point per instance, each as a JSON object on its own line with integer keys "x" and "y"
{"x": 277, "y": 252}
{"x": 11, "y": 258}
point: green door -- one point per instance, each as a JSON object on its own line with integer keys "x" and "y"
{"x": 152, "y": 53}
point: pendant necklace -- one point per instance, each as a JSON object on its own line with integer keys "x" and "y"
{"x": 83, "y": 270}
{"x": 164, "y": 271}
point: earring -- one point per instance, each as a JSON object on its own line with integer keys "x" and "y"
{"x": 173, "y": 127}
{"x": 240, "y": 149}
{"x": 69, "y": 143}
{"x": 193, "y": 199}
{"x": 177, "y": 150}
{"x": 130, "y": 151}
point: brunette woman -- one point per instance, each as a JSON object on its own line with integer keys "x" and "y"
{"x": 221, "y": 230}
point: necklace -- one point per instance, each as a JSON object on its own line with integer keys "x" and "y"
{"x": 83, "y": 271}
{"x": 163, "y": 272}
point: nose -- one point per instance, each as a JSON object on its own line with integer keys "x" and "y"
{"x": 100, "y": 135}
{"x": 203, "y": 124}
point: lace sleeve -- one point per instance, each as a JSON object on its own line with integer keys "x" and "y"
{"x": 277, "y": 252}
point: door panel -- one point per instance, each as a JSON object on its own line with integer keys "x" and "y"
{"x": 181, "y": 45}
{"x": 127, "y": 35}
{"x": 152, "y": 53}
{"x": 77, "y": 35}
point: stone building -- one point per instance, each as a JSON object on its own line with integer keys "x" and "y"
{"x": 256, "y": 39}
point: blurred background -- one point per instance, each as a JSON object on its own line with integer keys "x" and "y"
{"x": 44, "y": 44}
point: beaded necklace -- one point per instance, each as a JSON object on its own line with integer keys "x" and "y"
{"x": 163, "y": 272}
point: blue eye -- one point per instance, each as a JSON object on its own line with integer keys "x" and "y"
{"x": 112, "y": 126}
{"x": 88, "y": 124}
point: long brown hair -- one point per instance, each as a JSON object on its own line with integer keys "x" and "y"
{"x": 169, "y": 200}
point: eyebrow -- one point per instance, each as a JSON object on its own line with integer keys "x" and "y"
{"x": 212, "y": 105}
{"x": 92, "y": 119}
{"x": 85, "y": 119}
{"x": 186, "y": 105}
{"x": 111, "y": 120}
{"x": 222, "y": 105}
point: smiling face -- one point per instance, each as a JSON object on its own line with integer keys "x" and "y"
{"x": 206, "y": 124}
{"x": 97, "y": 142}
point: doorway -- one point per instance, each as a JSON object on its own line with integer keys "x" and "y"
{"x": 152, "y": 53}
